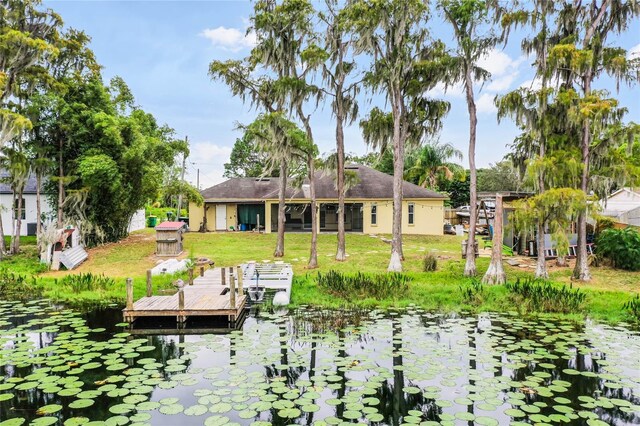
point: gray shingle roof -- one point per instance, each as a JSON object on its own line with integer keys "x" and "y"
{"x": 372, "y": 184}
{"x": 5, "y": 188}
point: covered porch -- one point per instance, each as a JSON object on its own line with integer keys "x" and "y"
{"x": 298, "y": 217}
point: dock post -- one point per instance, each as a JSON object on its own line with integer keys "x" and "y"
{"x": 223, "y": 279}
{"x": 232, "y": 292}
{"x": 202, "y": 271}
{"x": 239, "y": 275}
{"x": 129, "y": 294}
{"x": 149, "y": 284}
{"x": 181, "y": 318}
{"x": 191, "y": 275}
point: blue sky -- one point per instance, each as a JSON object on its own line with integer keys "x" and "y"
{"x": 162, "y": 49}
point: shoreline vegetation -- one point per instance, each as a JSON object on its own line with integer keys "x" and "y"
{"x": 101, "y": 280}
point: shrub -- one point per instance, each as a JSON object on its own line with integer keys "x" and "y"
{"x": 472, "y": 292}
{"x": 620, "y": 247}
{"x": 86, "y": 282}
{"x": 429, "y": 263}
{"x": 362, "y": 286}
{"x": 19, "y": 287}
{"x": 633, "y": 307}
{"x": 541, "y": 296}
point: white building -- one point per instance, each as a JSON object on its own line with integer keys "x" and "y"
{"x": 623, "y": 206}
{"x": 28, "y": 211}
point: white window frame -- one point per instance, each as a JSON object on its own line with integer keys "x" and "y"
{"x": 374, "y": 214}
{"x": 411, "y": 213}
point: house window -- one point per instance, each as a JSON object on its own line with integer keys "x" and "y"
{"x": 411, "y": 209}
{"x": 22, "y": 213}
{"x": 374, "y": 214}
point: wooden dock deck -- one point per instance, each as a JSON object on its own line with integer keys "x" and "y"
{"x": 207, "y": 295}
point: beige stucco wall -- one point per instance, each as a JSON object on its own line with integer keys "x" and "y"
{"x": 428, "y": 217}
{"x": 196, "y": 214}
{"x": 232, "y": 220}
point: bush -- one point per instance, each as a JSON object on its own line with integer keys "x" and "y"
{"x": 161, "y": 212}
{"x": 620, "y": 247}
{"x": 362, "y": 286}
{"x": 429, "y": 263}
{"x": 472, "y": 293}
{"x": 541, "y": 296}
{"x": 19, "y": 287}
{"x": 86, "y": 282}
{"x": 633, "y": 307}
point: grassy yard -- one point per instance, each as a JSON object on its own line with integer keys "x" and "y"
{"x": 439, "y": 290}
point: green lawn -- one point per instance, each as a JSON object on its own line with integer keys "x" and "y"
{"x": 439, "y": 290}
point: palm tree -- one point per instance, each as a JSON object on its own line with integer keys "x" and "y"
{"x": 465, "y": 16}
{"x": 431, "y": 162}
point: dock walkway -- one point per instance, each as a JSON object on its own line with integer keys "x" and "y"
{"x": 208, "y": 295}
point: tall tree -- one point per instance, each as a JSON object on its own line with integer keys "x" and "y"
{"x": 287, "y": 47}
{"x": 581, "y": 59}
{"x": 394, "y": 34}
{"x": 342, "y": 91}
{"x": 245, "y": 161}
{"x": 466, "y": 17}
{"x": 18, "y": 167}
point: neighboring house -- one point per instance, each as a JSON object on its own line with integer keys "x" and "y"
{"x": 28, "y": 212}
{"x": 239, "y": 204}
{"x": 624, "y": 206}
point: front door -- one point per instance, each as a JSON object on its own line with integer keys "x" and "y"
{"x": 221, "y": 217}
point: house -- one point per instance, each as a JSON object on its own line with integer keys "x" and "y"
{"x": 623, "y": 206}
{"x": 243, "y": 203}
{"x": 28, "y": 211}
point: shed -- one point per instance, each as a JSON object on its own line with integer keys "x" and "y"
{"x": 169, "y": 238}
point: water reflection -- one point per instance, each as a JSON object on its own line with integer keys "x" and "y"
{"x": 327, "y": 367}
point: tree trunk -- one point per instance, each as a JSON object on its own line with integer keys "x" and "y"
{"x": 470, "y": 265}
{"x": 581, "y": 270}
{"x": 313, "y": 255}
{"x": 341, "y": 253}
{"x": 495, "y": 274}
{"x": 279, "y": 252}
{"x": 541, "y": 264}
{"x": 60, "y": 218}
{"x": 395, "y": 262}
{"x": 15, "y": 240}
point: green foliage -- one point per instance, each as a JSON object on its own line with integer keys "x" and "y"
{"x": 362, "y": 285}
{"x": 621, "y": 247}
{"x": 429, "y": 263}
{"x": 77, "y": 283}
{"x": 632, "y": 307}
{"x": 457, "y": 189}
{"x": 19, "y": 287}
{"x": 530, "y": 294}
{"x": 161, "y": 212}
{"x": 472, "y": 292}
{"x": 501, "y": 176}
{"x": 246, "y": 160}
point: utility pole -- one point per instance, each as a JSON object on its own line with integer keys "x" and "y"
{"x": 198, "y": 180}
{"x": 184, "y": 163}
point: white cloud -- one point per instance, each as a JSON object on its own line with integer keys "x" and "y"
{"x": 535, "y": 84}
{"x": 209, "y": 158}
{"x": 502, "y": 67}
{"x": 634, "y": 52}
{"x": 485, "y": 105}
{"x": 231, "y": 39}
{"x": 455, "y": 91}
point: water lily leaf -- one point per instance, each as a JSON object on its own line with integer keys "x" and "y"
{"x": 196, "y": 410}
{"x": 49, "y": 409}
{"x": 81, "y": 403}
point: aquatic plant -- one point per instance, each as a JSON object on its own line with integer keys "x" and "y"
{"x": 361, "y": 285}
{"x": 19, "y": 287}
{"x": 620, "y": 247}
{"x": 542, "y": 296}
{"x": 472, "y": 292}
{"x": 86, "y": 282}
{"x": 429, "y": 263}
{"x": 632, "y": 307}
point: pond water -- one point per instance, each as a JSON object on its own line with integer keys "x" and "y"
{"x": 316, "y": 367}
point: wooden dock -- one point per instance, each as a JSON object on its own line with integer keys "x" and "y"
{"x": 205, "y": 296}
